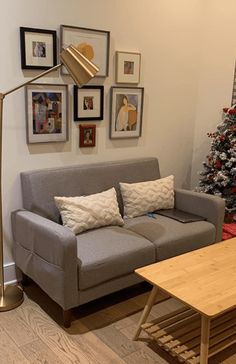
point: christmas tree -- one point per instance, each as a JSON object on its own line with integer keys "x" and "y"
{"x": 219, "y": 174}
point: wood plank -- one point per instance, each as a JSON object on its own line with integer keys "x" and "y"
{"x": 217, "y": 344}
{"x": 169, "y": 319}
{"x": 115, "y": 340}
{"x": 193, "y": 343}
{"x": 38, "y": 352}
{"x": 96, "y": 350}
{"x": 213, "y": 351}
{"x": 222, "y": 345}
{"x": 53, "y": 336}
{"x": 174, "y": 342}
{"x": 183, "y": 341}
{"x": 17, "y": 328}
{"x": 180, "y": 328}
{"x": 10, "y": 353}
{"x": 143, "y": 357}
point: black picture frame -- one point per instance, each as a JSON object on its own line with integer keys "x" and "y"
{"x": 88, "y": 103}
{"x": 38, "y": 48}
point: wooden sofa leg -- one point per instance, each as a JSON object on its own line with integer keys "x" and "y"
{"x": 67, "y": 318}
{"x": 25, "y": 280}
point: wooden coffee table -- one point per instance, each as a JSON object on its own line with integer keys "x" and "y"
{"x": 205, "y": 281}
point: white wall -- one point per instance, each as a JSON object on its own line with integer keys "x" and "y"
{"x": 216, "y": 70}
{"x": 166, "y": 32}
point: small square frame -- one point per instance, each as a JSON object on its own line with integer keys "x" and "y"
{"x": 87, "y": 135}
{"x": 38, "y": 48}
{"x": 92, "y": 43}
{"x": 47, "y": 116}
{"x": 126, "y": 112}
{"x": 88, "y": 103}
{"x": 128, "y": 67}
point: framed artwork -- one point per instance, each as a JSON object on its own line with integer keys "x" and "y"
{"x": 93, "y": 44}
{"x": 38, "y": 48}
{"x": 234, "y": 88}
{"x": 128, "y": 67}
{"x": 46, "y": 109}
{"x": 87, "y": 135}
{"x": 88, "y": 103}
{"x": 126, "y": 112}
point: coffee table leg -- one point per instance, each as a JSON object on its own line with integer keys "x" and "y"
{"x": 205, "y": 335}
{"x": 146, "y": 311}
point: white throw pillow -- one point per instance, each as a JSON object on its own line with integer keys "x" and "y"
{"x": 88, "y": 212}
{"x": 143, "y": 197}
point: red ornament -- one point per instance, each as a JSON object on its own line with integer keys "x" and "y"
{"x": 233, "y": 190}
{"x": 225, "y": 109}
{"x": 218, "y": 164}
{"x": 232, "y": 112}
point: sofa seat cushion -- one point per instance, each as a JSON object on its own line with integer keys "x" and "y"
{"x": 110, "y": 252}
{"x": 171, "y": 237}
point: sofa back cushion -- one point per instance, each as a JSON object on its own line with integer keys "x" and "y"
{"x": 81, "y": 213}
{"x": 40, "y": 186}
{"x": 142, "y": 197}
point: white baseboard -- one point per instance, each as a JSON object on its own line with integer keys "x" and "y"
{"x": 11, "y": 275}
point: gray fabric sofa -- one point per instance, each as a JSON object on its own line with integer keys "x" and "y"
{"x": 74, "y": 270}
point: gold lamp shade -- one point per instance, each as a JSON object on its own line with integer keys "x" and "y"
{"x": 78, "y": 66}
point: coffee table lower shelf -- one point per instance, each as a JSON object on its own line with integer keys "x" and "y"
{"x": 179, "y": 333}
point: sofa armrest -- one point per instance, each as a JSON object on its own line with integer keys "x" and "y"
{"x": 47, "y": 252}
{"x": 209, "y": 206}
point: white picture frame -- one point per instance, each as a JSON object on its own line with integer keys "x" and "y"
{"x": 128, "y": 67}
{"x": 46, "y": 111}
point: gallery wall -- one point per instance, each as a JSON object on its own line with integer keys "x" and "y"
{"x": 161, "y": 31}
{"x": 165, "y": 32}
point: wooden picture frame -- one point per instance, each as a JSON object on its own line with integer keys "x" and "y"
{"x": 126, "y": 112}
{"x": 38, "y": 48}
{"x": 47, "y": 113}
{"x": 128, "y": 67}
{"x": 88, "y": 103}
{"x": 92, "y": 43}
{"x": 87, "y": 135}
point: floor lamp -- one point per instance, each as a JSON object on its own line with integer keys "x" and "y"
{"x": 81, "y": 70}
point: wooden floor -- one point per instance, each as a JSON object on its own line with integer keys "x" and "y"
{"x": 100, "y": 334}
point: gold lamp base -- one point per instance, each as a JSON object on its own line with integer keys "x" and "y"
{"x": 13, "y": 297}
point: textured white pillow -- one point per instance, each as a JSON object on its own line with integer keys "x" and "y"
{"x": 143, "y": 197}
{"x": 88, "y": 212}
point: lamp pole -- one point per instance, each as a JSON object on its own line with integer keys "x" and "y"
{"x": 12, "y": 295}
{"x": 81, "y": 70}
{"x": 1, "y": 230}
